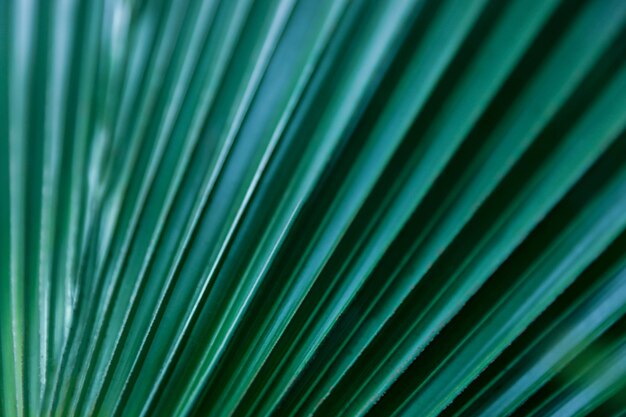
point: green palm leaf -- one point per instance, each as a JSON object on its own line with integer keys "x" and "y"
{"x": 312, "y": 207}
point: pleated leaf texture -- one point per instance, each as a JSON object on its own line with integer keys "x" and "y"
{"x": 312, "y": 207}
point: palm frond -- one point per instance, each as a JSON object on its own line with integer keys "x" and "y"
{"x": 312, "y": 207}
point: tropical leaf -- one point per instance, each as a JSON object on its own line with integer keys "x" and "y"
{"x": 312, "y": 207}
